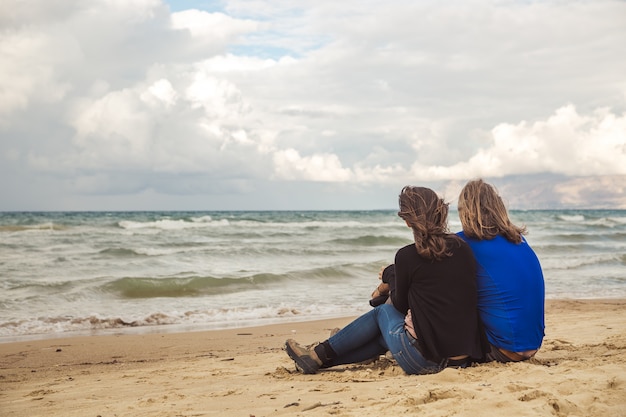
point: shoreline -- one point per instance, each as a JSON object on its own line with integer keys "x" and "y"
{"x": 208, "y": 327}
{"x": 580, "y": 370}
{"x": 159, "y": 329}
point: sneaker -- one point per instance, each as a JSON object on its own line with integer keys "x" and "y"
{"x": 306, "y": 360}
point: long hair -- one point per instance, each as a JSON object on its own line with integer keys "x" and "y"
{"x": 484, "y": 215}
{"x": 427, "y": 215}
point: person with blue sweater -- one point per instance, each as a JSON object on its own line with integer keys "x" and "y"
{"x": 511, "y": 290}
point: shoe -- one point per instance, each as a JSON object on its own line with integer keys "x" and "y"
{"x": 306, "y": 360}
{"x": 312, "y": 346}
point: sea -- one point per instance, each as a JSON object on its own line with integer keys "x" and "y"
{"x": 84, "y": 273}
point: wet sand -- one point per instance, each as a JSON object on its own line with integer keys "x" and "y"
{"x": 580, "y": 371}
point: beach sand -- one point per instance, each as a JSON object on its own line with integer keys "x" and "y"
{"x": 580, "y": 371}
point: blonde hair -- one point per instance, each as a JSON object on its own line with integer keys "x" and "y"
{"x": 427, "y": 215}
{"x": 484, "y": 215}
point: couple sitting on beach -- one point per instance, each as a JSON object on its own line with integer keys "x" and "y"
{"x": 475, "y": 296}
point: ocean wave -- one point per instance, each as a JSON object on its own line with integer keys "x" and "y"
{"x": 195, "y": 286}
{"x": 565, "y": 249}
{"x": 571, "y": 217}
{"x": 202, "y": 219}
{"x": 145, "y": 252}
{"x": 172, "y": 287}
{"x": 345, "y": 224}
{"x": 208, "y": 221}
{"x": 34, "y": 288}
{"x": 188, "y": 286}
{"x": 210, "y": 318}
{"x": 592, "y": 220}
{"x": 33, "y": 227}
{"x": 371, "y": 240}
{"x": 577, "y": 262}
{"x": 41, "y": 325}
{"x": 589, "y": 236}
{"x": 121, "y": 252}
{"x": 172, "y": 224}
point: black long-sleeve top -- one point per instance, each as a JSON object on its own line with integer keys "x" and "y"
{"x": 442, "y": 297}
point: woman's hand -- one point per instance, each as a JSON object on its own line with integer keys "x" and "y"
{"x": 382, "y": 289}
{"x": 380, "y": 273}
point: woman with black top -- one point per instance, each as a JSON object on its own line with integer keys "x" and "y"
{"x": 433, "y": 322}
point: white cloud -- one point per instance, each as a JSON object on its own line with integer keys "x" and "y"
{"x": 288, "y": 164}
{"x": 219, "y": 98}
{"x": 160, "y": 93}
{"x": 228, "y": 63}
{"x": 27, "y": 72}
{"x": 114, "y": 131}
{"x": 212, "y": 25}
{"x": 130, "y": 10}
{"x": 267, "y": 91}
{"x": 566, "y": 143}
{"x": 156, "y": 128}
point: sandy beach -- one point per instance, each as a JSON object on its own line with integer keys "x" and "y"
{"x": 580, "y": 371}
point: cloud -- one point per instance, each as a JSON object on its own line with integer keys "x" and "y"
{"x": 112, "y": 96}
{"x": 160, "y": 93}
{"x": 28, "y": 73}
{"x": 566, "y": 143}
{"x": 212, "y": 26}
{"x": 594, "y": 192}
{"x": 288, "y": 164}
{"x": 158, "y": 128}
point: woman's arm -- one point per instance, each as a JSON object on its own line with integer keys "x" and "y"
{"x": 400, "y": 295}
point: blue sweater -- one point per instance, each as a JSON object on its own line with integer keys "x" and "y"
{"x": 511, "y": 293}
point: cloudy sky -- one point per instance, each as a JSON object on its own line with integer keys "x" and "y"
{"x": 309, "y": 104}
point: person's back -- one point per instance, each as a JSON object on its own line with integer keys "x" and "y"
{"x": 510, "y": 293}
{"x": 510, "y": 282}
{"x": 433, "y": 323}
{"x": 441, "y": 294}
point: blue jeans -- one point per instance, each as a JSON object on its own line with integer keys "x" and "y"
{"x": 373, "y": 334}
